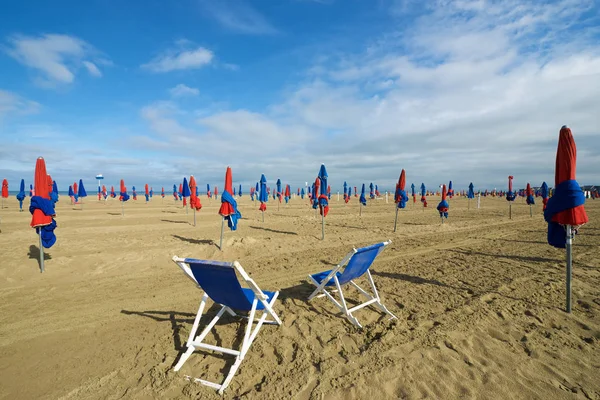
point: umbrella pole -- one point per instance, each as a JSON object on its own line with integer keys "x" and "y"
{"x": 360, "y": 210}
{"x": 122, "y": 209}
{"x": 41, "y": 251}
{"x": 531, "y": 210}
{"x": 509, "y": 210}
{"x": 277, "y": 206}
{"x": 569, "y": 265}
{"x": 469, "y": 205}
{"x": 194, "y": 217}
{"x": 222, "y": 227}
{"x": 442, "y": 217}
{"x": 396, "y": 219}
{"x": 323, "y": 226}
{"x": 186, "y": 209}
{"x": 263, "y": 216}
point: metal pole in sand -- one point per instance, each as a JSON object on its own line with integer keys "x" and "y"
{"x": 222, "y": 227}
{"x": 509, "y": 210}
{"x": 41, "y": 250}
{"x": 194, "y": 217}
{"x": 396, "y": 219}
{"x": 360, "y": 210}
{"x": 122, "y": 209}
{"x": 531, "y": 211}
{"x": 323, "y": 226}
{"x": 469, "y": 205}
{"x": 263, "y": 216}
{"x": 569, "y": 265}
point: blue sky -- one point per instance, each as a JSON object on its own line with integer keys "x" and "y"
{"x": 151, "y": 91}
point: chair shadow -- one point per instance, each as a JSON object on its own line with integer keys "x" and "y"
{"x": 419, "y": 280}
{"x": 196, "y": 241}
{"x": 34, "y": 254}
{"x": 178, "y": 318}
{"x": 112, "y": 213}
{"x": 170, "y": 212}
{"x": 273, "y": 230}
{"x": 174, "y": 222}
{"x": 298, "y": 292}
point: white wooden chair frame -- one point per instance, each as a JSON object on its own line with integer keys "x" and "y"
{"x": 196, "y": 343}
{"x": 372, "y": 299}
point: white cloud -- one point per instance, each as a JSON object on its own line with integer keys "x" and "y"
{"x": 182, "y": 90}
{"x": 237, "y": 16}
{"x": 181, "y": 57}
{"x": 56, "y": 57}
{"x": 12, "y": 104}
{"x": 92, "y": 69}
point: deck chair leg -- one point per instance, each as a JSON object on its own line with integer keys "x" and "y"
{"x": 329, "y": 296}
{"x": 197, "y": 319}
{"x": 349, "y": 315}
{"x": 184, "y": 357}
{"x": 379, "y": 303}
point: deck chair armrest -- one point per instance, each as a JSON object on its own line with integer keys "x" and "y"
{"x": 185, "y": 268}
{"x": 259, "y": 293}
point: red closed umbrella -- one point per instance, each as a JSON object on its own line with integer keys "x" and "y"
{"x": 565, "y": 210}
{"x": 4, "y": 191}
{"x": 194, "y": 200}
{"x": 566, "y": 165}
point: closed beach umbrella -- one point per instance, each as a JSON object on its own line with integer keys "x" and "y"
{"x": 81, "y": 190}
{"x": 545, "y": 194}
{"x": 450, "y": 190}
{"x": 323, "y": 197}
{"x": 185, "y": 192}
{"x": 510, "y": 196}
{"x": 113, "y": 194}
{"x": 228, "y": 209}
{"x": 400, "y": 197}
{"x": 21, "y": 195}
{"x": 565, "y": 210}
{"x": 412, "y": 192}
{"x": 443, "y": 206}
{"x": 194, "y": 199}
{"x": 146, "y": 192}
{"x": 42, "y": 210}
{"x": 263, "y": 196}
{"x": 362, "y": 200}
{"x": 423, "y": 196}
{"x": 54, "y": 193}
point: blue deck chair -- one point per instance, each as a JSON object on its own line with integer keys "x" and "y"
{"x": 219, "y": 281}
{"x": 357, "y": 263}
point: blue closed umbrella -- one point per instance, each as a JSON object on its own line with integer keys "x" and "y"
{"x": 240, "y": 190}
{"x": 186, "y": 188}
{"x": 471, "y": 193}
{"x": 263, "y": 196}
{"x": 363, "y": 199}
{"x": 30, "y": 190}
{"x": 21, "y": 194}
{"x": 278, "y": 190}
{"x": 175, "y": 192}
{"x": 54, "y": 194}
{"x": 412, "y": 193}
{"x": 81, "y": 190}
{"x": 371, "y": 194}
{"x": 323, "y": 198}
{"x": 71, "y": 193}
{"x": 302, "y": 193}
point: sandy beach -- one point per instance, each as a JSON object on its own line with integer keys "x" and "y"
{"x": 479, "y": 299}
